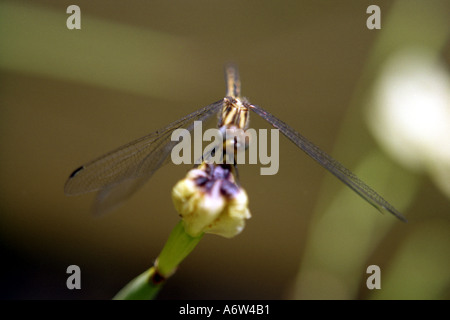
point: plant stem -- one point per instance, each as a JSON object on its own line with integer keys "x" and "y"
{"x": 147, "y": 285}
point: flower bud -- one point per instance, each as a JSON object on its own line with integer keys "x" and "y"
{"x": 209, "y": 200}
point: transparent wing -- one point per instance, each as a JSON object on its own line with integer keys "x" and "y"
{"x": 332, "y": 165}
{"x": 119, "y": 173}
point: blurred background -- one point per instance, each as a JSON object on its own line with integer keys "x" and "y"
{"x": 377, "y": 100}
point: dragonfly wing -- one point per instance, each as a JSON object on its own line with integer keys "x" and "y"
{"x": 111, "y": 196}
{"x": 117, "y": 174}
{"x": 332, "y": 165}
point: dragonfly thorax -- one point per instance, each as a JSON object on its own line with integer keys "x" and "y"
{"x": 233, "y": 123}
{"x": 234, "y": 113}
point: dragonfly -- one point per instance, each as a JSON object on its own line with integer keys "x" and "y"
{"x": 120, "y": 173}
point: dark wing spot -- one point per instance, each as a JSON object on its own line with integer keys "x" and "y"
{"x": 73, "y": 174}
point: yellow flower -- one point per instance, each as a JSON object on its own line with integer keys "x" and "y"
{"x": 209, "y": 200}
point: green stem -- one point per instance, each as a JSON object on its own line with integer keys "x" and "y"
{"x": 140, "y": 288}
{"x": 147, "y": 285}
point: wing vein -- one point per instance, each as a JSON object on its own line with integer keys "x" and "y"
{"x": 329, "y": 163}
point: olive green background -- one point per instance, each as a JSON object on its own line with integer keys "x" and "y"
{"x": 68, "y": 96}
